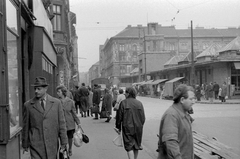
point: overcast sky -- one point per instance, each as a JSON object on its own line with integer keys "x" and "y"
{"x": 98, "y": 20}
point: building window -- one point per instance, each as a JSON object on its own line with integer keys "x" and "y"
{"x": 195, "y": 46}
{"x": 121, "y": 48}
{"x": 47, "y": 66}
{"x": 184, "y": 46}
{"x": 134, "y": 48}
{"x": 57, "y": 20}
{"x": 169, "y": 46}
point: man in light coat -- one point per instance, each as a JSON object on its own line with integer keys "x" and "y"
{"x": 43, "y": 124}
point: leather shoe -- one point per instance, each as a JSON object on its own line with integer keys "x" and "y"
{"x": 109, "y": 118}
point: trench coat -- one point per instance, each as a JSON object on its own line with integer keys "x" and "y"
{"x": 70, "y": 113}
{"x": 107, "y": 103}
{"x": 130, "y": 119}
{"x": 42, "y": 129}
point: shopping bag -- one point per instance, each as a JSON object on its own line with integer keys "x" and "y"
{"x": 78, "y": 138}
{"x": 104, "y": 113}
{"x": 95, "y": 109}
{"x": 118, "y": 141}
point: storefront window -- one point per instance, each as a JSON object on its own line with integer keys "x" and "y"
{"x": 13, "y": 81}
{"x": 12, "y": 52}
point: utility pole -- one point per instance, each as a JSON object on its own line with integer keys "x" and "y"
{"x": 145, "y": 59}
{"x": 192, "y": 82}
{"x": 139, "y": 39}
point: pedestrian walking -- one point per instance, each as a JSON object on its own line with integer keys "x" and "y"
{"x": 107, "y": 104}
{"x": 70, "y": 115}
{"x": 76, "y": 98}
{"x": 130, "y": 121}
{"x": 224, "y": 92}
{"x": 90, "y": 101}
{"x": 210, "y": 92}
{"x": 96, "y": 98}
{"x": 83, "y": 92}
{"x": 198, "y": 92}
{"x": 216, "y": 89}
{"x": 120, "y": 98}
{"x": 175, "y": 132}
{"x": 43, "y": 123}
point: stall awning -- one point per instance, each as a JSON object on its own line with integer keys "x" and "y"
{"x": 148, "y": 82}
{"x": 175, "y": 79}
{"x": 158, "y": 81}
{"x": 237, "y": 65}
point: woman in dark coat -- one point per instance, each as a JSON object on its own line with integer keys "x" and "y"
{"x": 107, "y": 104}
{"x": 130, "y": 119}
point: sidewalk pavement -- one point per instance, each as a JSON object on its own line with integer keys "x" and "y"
{"x": 232, "y": 100}
{"x": 100, "y": 144}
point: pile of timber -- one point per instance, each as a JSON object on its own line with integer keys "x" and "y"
{"x": 210, "y": 148}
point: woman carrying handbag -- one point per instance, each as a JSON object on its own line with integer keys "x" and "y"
{"x": 70, "y": 115}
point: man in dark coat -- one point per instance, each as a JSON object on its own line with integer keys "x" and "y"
{"x": 131, "y": 118}
{"x": 83, "y": 92}
{"x": 107, "y": 104}
{"x": 96, "y": 98}
{"x": 216, "y": 89}
{"x": 43, "y": 124}
{"x": 76, "y": 98}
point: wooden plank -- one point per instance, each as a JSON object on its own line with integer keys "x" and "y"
{"x": 208, "y": 147}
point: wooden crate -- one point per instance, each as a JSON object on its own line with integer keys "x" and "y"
{"x": 210, "y": 148}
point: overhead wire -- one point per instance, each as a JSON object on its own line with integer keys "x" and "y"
{"x": 178, "y": 10}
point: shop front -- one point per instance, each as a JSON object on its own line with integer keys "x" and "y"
{"x": 10, "y": 86}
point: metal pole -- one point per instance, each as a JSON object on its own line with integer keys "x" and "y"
{"x": 139, "y": 38}
{"x": 144, "y": 45}
{"x": 192, "y": 61}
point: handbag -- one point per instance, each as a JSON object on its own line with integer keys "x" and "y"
{"x": 95, "y": 109}
{"x": 85, "y": 138}
{"x": 104, "y": 113}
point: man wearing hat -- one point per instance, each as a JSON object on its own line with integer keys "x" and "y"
{"x": 96, "y": 98}
{"x": 43, "y": 123}
{"x": 175, "y": 132}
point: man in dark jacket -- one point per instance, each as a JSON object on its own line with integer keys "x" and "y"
{"x": 175, "y": 132}
{"x": 76, "y": 98}
{"x": 96, "y": 98}
{"x": 216, "y": 89}
{"x": 83, "y": 92}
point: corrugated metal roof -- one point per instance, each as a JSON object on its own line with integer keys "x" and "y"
{"x": 211, "y": 50}
{"x": 233, "y": 45}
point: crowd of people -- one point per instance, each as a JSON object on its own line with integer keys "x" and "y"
{"x": 211, "y": 91}
{"x": 48, "y": 121}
